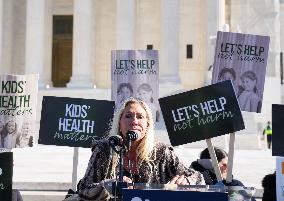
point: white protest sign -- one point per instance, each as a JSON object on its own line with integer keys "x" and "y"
{"x": 18, "y": 100}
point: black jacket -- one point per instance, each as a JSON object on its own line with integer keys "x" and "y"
{"x": 210, "y": 177}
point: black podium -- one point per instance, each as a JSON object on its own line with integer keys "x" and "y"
{"x": 168, "y": 195}
{"x": 164, "y": 192}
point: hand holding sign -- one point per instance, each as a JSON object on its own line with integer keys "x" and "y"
{"x": 201, "y": 114}
{"x": 213, "y": 111}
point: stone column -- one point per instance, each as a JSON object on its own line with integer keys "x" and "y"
{"x": 261, "y": 17}
{"x": 82, "y": 45}
{"x": 48, "y": 45}
{"x": 169, "y": 48}
{"x": 35, "y": 48}
{"x": 215, "y": 22}
{"x": 220, "y": 8}
{"x": 125, "y": 15}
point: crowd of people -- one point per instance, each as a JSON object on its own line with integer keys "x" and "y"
{"x": 146, "y": 161}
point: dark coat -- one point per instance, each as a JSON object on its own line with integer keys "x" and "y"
{"x": 103, "y": 166}
{"x": 210, "y": 177}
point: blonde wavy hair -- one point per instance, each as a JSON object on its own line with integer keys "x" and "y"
{"x": 147, "y": 143}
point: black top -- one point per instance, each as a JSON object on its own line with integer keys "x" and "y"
{"x": 210, "y": 177}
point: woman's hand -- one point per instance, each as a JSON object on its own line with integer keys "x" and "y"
{"x": 179, "y": 180}
{"x": 127, "y": 179}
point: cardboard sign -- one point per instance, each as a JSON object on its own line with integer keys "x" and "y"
{"x": 280, "y": 178}
{"x": 135, "y": 73}
{"x": 243, "y": 59}
{"x": 6, "y": 173}
{"x": 201, "y": 114}
{"x": 74, "y": 122}
{"x": 167, "y": 195}
{"x": 277, "y": 130}
{"x": 18, "y": 100}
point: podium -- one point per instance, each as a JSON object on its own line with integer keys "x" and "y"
{"x": 169, "y": 195}
{"x": 165, "y": 192}
{"x": 160, "y": 192}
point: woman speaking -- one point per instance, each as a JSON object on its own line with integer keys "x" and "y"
{"x": 144, "y": 161}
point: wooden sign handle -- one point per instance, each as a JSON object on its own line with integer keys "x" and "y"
{"x": 75, "y": 167}
{"x": 230, "y": 158}
{"x": 214, "y": 160}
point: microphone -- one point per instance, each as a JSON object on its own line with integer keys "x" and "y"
{"x": 114, "y": 141}
{"x": 131, "y": 136}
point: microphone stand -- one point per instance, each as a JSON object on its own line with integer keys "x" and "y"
{"x": 121, "y": 160}
{"x": 117, "y": 186}
{"x": 128, "y": 145}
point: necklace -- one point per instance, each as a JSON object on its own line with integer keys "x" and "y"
{"x": 130, "y": 165}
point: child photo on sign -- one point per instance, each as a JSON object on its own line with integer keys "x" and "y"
{"x": 124, "y": 91}
{"x": 228, "y": 74}
{"x": 26, "y": 140}
{"x": 10, "y": 135}
{"x": 145, "y": 93}
{"x": 249, "y": 99}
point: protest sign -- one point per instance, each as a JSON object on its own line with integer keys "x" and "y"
{"x": 135, "y": 73}
{"x": 278, "y": 130}
{"x": 6, "y": 173}
{"x": 18, "y": 99}
{"x": 74, "y": 122}
{"x": 280, "y": 178}
{"x": 201, "y": 114}
{"x": 170, "y": 195}
{"x": 243, "y": 59}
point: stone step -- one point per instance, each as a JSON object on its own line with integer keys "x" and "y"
{"x": 43, "y": 195}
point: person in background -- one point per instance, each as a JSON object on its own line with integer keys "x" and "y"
{"x": 150, "y": 162}
{"x": 269, "y": 187}
{"x": 268, "y": 132}
{"x": 204, "y": 165}
{"x": 124, "y": 91}
{"x": 145, "y": 93}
